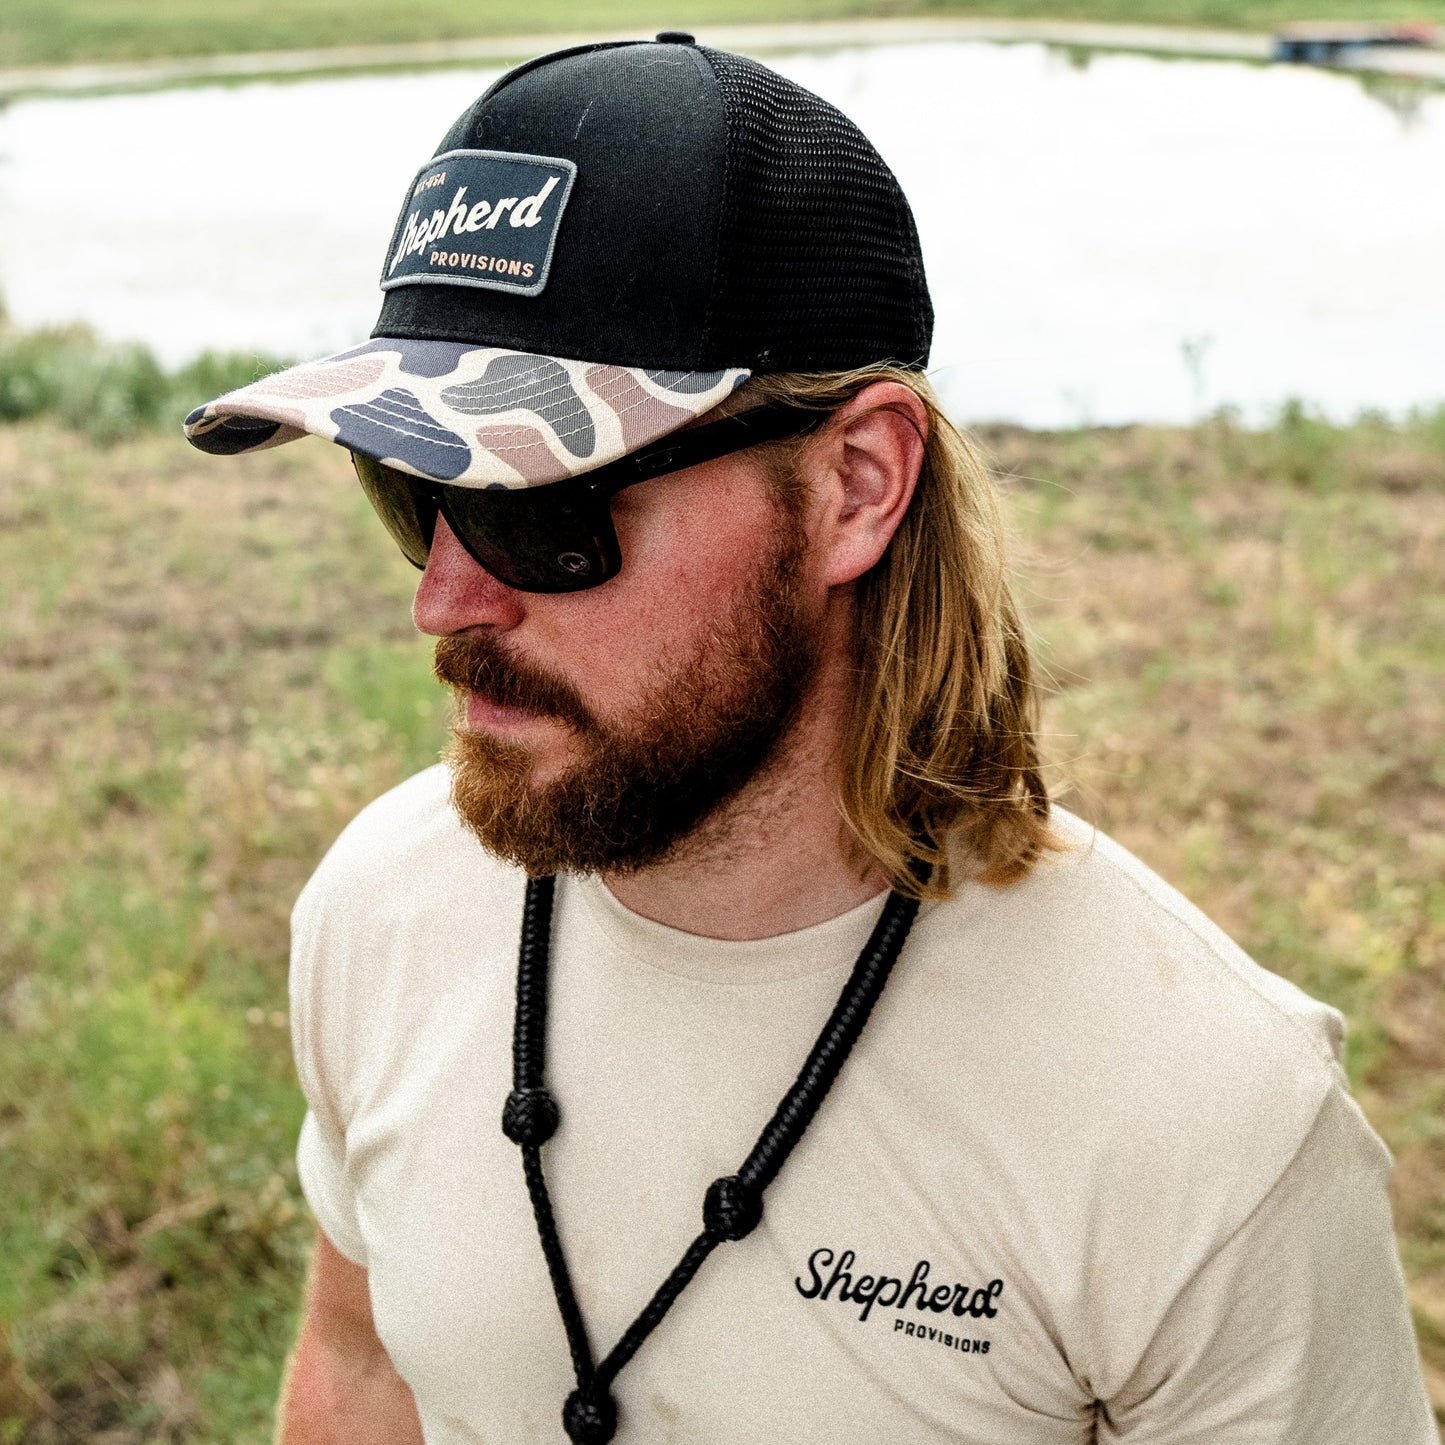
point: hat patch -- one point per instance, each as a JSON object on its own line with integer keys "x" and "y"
{"x": 480, "y": 218}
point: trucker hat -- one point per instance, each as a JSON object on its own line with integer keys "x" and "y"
{"x": 604, "y": 246}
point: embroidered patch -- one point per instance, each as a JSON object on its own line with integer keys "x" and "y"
{"x": 480, "y": 218}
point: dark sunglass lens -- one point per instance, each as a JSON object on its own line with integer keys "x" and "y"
{"x": 403, "y": 505}
{"x": 555, "y": 538}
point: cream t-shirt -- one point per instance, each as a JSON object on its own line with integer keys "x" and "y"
{"x": 1090, "y": 1174}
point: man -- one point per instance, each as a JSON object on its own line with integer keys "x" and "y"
{"x": 723, "y": 598}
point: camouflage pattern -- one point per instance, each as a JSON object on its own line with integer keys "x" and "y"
{"x": 473, "y": 416}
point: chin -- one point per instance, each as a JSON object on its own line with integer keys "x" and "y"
{"x": 549, "y": 762}
{"x": 541, "y": 776}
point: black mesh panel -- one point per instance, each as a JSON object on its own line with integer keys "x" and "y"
{"x": 818, "y": 248}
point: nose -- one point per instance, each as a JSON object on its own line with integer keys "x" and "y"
{"x": 456, "y": 592}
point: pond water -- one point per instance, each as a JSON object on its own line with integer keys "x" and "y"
{"x": 1121, "y": 239}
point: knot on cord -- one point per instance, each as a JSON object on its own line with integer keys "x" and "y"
{"x": 589, "y": 1418}
{"x": 530, "y": 1116}
{"x": 731, "y": 1210}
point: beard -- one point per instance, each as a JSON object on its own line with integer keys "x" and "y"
{"x": 706, "y": 726}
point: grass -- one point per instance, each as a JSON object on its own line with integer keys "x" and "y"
{"x": 56, "y": 31}
{"x": 184, "y": 725}
{"x": 209, "y": 667}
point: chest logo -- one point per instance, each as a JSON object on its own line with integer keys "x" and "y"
{"x": 922, "y": 1308}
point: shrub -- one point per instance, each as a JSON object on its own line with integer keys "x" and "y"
{"x": 109, "y": 392}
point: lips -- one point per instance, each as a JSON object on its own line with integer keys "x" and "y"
{"x": 488, "y": 715}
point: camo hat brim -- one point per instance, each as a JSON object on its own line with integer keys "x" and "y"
{"x": 474, "y": 416}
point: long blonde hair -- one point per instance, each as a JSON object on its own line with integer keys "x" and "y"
{"x": 942, "y": 739}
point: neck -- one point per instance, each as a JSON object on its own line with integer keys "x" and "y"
{"x": 777, "y": 858}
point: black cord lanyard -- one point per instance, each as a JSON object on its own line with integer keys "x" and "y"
{"x": 733, "y": 1205}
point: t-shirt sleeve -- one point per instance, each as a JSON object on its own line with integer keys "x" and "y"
{"x": 1296, "y": 1331}
{"x": 321, "y": 1149}
{"x": 324, "y": 1183}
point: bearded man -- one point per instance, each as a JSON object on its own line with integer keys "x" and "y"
{"x": 728, "y": 1042}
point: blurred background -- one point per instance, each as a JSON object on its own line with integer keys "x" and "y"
{"x": 1188, "y": 259}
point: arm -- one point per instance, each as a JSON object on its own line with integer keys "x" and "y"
{"x": 341, "y": 1387}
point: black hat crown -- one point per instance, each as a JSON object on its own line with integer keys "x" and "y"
{"x": 718, "y": 215}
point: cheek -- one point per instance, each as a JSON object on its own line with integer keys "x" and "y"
{"x": 697, "y": 558}
{"x": 688, "y": 553}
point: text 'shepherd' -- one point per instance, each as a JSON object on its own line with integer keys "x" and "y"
{"x": 480, "y": 218}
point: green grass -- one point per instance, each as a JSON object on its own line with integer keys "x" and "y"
{"x": 51, "y": 31}
{"x": 209, "y": 667}
{"x": 108, "y": 392}
{"x": 204, "y": 679}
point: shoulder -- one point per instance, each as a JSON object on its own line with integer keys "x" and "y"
{"x": 406, "y": 844}
{"x": 1152, "y": 956}
{"x": 408, "y": 818}
{"x": 1093, "y": 939}
{"x": 1122, "y": 1042}
{"x": 404, "y": 921}
{"x": 1137, "y": 1084}
{"x": 404, "y": 878}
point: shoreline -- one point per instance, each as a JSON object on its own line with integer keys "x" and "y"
{"x": 1427, "y": 64}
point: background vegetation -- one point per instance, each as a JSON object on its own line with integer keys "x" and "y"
{"x": 107, "y": 391}
{"x": 52, "y": 31}
{"x": 208, "y": 667}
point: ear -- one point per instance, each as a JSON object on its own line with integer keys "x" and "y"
{"x": 864, "y": 468}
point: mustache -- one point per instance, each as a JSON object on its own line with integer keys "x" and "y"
{"x": 477, "y": 662}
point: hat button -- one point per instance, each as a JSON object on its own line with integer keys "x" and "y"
{"x": 676, "y": 37}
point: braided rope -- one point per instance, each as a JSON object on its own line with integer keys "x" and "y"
{"x": 578, "y": 1344}
{"x": 529, "y": 1039}
{"x": 734, "y": 1204}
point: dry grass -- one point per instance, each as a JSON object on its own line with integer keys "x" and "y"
{"x": 208, "y": 667}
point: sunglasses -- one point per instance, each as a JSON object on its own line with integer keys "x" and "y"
{"x": 558, "y": 537}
